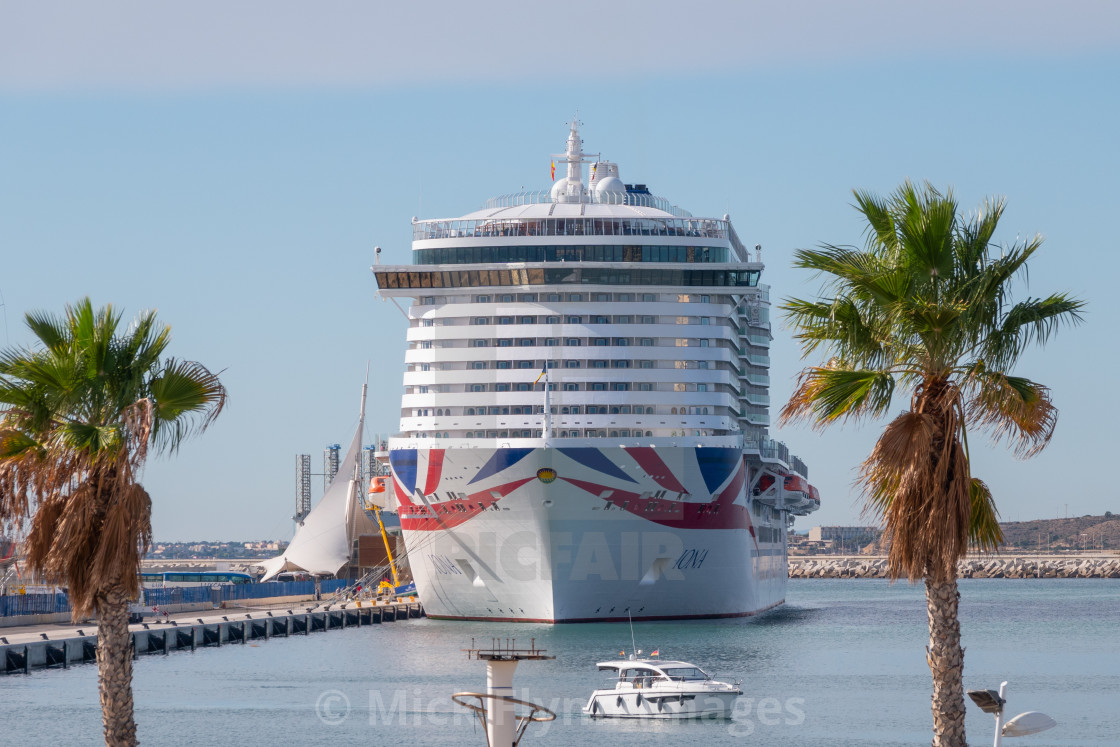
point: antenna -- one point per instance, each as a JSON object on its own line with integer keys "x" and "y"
{"x": 376, "y": 258}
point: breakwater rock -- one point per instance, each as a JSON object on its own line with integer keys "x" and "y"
{"x": 988, "y": 567}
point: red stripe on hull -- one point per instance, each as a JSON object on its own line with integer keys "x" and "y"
{"x": 435, "y": 470}
{"x": 721, "y": 513}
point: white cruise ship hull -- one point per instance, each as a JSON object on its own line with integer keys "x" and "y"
{"x": 585, "y": 533}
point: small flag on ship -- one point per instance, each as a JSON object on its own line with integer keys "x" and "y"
{"x": 542, "y": 373}
{"x": 622, "y": 653}
{"x": 553, "y": 170}
{"x": 655, "y": 652}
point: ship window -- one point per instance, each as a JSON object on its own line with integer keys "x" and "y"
{"x": 573, "y": 341}
{"x": 649, "y": 320}
{"x": 623, "y": 297}
{"x": 523, "y": 387}
{"x": 565, "y": 411}
{"x": 552, "y": 342}
{"x": 702, "y": 364}
{"x": 649, "y": 297}
{"x": 551, "y": 364}
{"x": 573, "y": 320}
{"x": 623, "y": 320}
{"x": 575, "y": 410}
{"x": 622, "y": 341}
{"x": 526, "y": 342}
{"x": 705, "y": 299}
{"x": 575, "y": 296}
{"x": 601, "y": 341}
{"x": 479, "y": 343}
{"x": 645, "y": 364}
{"x": 598, "y": 364}
{"x": 554, "y": 297}
{"x": 507, "y": 299}
{"x": 478, "y": 364}
{"x": 602, "y": 297}
{"x": 598, "y": 387}
{"x": 528, "y": 320}
{"x": 506, "y": 343}
{"x": 705, "y": 343}
{"x": 501, "y": 387}
{"x": 504, "y": 364}
{"x": 478, "y": 387}
{"x": 571, "y": 364}
{"x": 552, "y": 320}
{"x": 701, "y": 387}
{"x": 624, "y": 434}
{"x": 505, "y": 320}
{"x": 600, "y": 320}
{"x": 525, "y": 364}
{"x": 614, "y": 410}
{"x": 571, "y": 387}
{"x": 470, "y": 411}
{"x": 482, "y": 299}
{"x": 480, "y": 320}
{"x": 620, "y": 364}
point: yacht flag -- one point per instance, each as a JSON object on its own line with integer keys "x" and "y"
{"x": 542, "y": 373}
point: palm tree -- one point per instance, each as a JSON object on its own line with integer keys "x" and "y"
{"x": 81, "y": 412}
{"x": 927, "y": 308}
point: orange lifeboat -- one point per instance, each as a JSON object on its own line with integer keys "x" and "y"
{"x": 796, "y": 483}
{"x": 377, "y": 484}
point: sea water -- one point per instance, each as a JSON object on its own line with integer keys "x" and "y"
{"x": 842, "y": 663}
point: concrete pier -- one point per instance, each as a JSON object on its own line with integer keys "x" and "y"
{"x": 43, "y": 646}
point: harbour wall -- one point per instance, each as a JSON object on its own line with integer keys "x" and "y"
{"x": 1052, "y": 566}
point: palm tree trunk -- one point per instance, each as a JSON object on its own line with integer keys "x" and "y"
{"x": 946, "y": 663}
{"x": 114, "y": 663}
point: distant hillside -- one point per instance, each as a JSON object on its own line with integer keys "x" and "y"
{"x": 1053, "y": 535}
{"x": 1080, "y": 533}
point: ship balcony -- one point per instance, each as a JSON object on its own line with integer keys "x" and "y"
{"x": 461, "y": 356}
{"x": 756, "y": 379}
{"x": 402, "y": 441}
{"x": 578, "y": 421}
{"x": 516, "y": 331}
{"x": 664, "y": 402}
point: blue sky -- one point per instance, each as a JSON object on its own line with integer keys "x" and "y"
{"x": 235, "y": 168}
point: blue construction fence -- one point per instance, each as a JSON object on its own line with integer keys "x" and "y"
{"x": 45, "y": 604}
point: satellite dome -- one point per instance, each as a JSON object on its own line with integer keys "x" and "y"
{"x": 610, "y": 184}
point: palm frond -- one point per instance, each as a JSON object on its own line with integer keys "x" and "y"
{"x": 1014, "y": 409}
{"x": 825, "y": 395}
{"x": 984, "y": 532}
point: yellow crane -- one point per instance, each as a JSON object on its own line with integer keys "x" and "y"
{"x": 377, "y": 485}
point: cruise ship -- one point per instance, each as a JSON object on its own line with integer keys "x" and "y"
{"x": 583, "y": 430}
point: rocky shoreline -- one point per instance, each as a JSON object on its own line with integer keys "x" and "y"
{"x": 989, "y": 567}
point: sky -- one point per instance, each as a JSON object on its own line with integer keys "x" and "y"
{"x": 234, "y": 165}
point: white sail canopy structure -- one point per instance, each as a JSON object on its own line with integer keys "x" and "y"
{"x": 324, "y": 539}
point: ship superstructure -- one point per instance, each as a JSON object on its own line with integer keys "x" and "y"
{"x": 584, "y": 423}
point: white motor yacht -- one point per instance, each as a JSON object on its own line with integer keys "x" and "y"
{"x": 652, "y": 688}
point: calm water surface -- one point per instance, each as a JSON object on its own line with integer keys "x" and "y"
{"x": 841, "y": 664}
